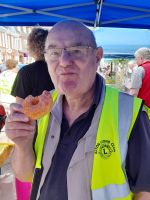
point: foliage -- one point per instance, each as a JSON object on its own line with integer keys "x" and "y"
{"x": 120, "y": 61}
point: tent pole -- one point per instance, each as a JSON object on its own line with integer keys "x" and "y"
{"x": 67, "y": 6}
{"x": 98, "y": 13}
{"x": 125, "y": 19}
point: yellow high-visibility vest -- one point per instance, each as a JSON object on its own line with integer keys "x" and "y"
{"x": 108, "y": 180}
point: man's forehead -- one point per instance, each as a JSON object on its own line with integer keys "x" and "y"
{"x": 66, "y": 39}
{"x": 69, "y": 27}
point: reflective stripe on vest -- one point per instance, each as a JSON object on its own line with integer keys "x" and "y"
{"x": 42, "y": 129}
{"x": 108, "y": 175}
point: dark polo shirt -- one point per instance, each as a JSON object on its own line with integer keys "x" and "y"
{"x": 55, "y": 185}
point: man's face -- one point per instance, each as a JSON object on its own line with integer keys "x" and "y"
{"x": 72, "y": 69}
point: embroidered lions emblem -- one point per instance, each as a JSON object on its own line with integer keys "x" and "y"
{"x": 104, "y": 148}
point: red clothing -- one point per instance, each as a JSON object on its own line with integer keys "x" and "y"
{"x": 2, "y": 116}
{"x": 144, "y": 92}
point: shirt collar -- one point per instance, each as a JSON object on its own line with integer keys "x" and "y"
{"x": 99, "y": 83}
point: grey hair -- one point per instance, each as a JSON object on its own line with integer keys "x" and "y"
{"x": 36, "y": 43}
{"x": 143, "y": 52}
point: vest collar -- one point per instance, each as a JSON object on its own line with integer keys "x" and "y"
{"x": 57, "y": 109}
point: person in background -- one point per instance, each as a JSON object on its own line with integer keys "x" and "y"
{"x": 7, "y": 78}
{"x": 97, "y": 140}
{"x": 34, "y": 78}
{"x": 140, "y": 81}
{"x": 131, "y": 66}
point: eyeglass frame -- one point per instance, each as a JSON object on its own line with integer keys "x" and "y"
{"x": 66, "y": 49}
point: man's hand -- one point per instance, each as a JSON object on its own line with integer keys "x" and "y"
{"x": 20, "y": 129}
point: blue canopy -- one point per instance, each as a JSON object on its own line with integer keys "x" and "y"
{"x": 121, "y": 42}
{"x": 108, "y": 13}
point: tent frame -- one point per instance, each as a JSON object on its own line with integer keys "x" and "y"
{"x": 99, "y": 6}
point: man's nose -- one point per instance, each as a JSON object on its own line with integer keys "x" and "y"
{"x": 65, "y": 59}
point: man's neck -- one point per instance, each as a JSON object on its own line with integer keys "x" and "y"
{"x": 74, "y": 107}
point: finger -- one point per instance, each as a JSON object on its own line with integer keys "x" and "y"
{"x": 20, "y": 117}
{"x": 19, "y": 133}
{"x": 20, "y": 126}
{"x": 17, "y": 129}
{"x": 15, "y": 107}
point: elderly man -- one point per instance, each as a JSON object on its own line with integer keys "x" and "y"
{"x": 89, "y": 147}
{"x": 140, "y": 83}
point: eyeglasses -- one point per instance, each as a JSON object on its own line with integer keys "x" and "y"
{"x": 75, "y": 52}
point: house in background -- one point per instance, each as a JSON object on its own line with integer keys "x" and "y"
{"x": 13, "y": 43}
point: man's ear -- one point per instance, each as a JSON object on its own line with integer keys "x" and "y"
{"x": 99, "y": 54}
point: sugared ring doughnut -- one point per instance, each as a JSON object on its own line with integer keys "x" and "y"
{"x": 36, "y": 107}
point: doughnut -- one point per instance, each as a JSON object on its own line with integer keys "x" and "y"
{"x": 37, "y": 107}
